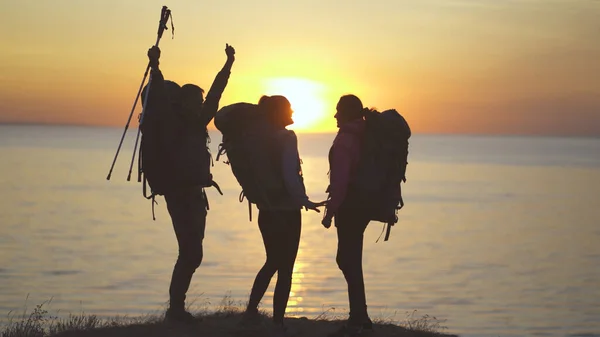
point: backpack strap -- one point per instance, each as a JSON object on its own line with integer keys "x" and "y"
{"x": 205, "y": 199}
{"x": 387, "y": 232}
{"x": 241, "y": 199}
{"x": 153, "y": 203}
{"x": 152, "y": 196}
{"x": 145, "y": 190}
{"x": 144, "y": 182}
{"x": 221, "y": 151}
{"x": 140, "y": 165}
{"x": 250, "y": 210}
{"x": 379, "y": 237}
{"x": 215, "y": 185}
{"x": 390, "y": 224}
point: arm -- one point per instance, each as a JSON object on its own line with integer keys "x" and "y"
{"x": 157, "y": 96}
{"x": 158, "y": 115}
{"x": 294, "y": 183}
{"x": 340, "y": 174}
{"x": 211, "y": 104}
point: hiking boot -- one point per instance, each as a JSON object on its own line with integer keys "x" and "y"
{"x": 179, "y": 316}
{"x": 250, "y": 318}
{"x": 365, "y": 321}
{"x": 368, "y": 325}
{"x": 348, "y": 330}
{"x": 280, "y": 330}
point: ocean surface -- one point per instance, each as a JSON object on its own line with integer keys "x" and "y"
{"x": 500, "y": 236}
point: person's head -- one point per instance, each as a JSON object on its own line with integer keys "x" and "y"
{"x": 277, "y": 109}
{"x": 172, "y": 90}
{"x": 349, "y": 108}
{"x": 192, "y": 97}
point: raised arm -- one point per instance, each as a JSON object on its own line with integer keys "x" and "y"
{"x": 156, "y": 90}
{"x": 211, "y": 104}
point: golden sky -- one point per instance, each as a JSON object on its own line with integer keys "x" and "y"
{"x": 449, "y": 66}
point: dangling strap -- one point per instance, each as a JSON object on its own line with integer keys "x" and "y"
{"x": 401, "y": 199}
{"x": 221, "y": 151}
{"x": 153, "y": 202}
{"x": 241, "y": 199}
{"x": 152, "y": 196}
{"x": 144, "y": 182}
{"x": 387, "y": 232}
{"x": 144, "y": 190}
{"x": 140, "y": 165}
{"x": 390, "y": 224}
{"x": 380, "y": 234}
{"x": 172, "y": 25}
{"x": 205, "y": 199}
{"x": 215, "y": 185}
{"x": 250, "y": 210}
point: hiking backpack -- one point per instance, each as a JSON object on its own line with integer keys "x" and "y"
{"x": 154, "y": 166}
{"x": 252, "y": 150}
{"x": 381, "y": 168}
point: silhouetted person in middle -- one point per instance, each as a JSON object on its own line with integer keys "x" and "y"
{"x": 280, "y": 220}
{"x": 351, "y": 218}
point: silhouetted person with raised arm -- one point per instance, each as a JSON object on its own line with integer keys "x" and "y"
{"x": 280, "y": 220}
{"x": 179, "y": 160}
{"x": 351, "y": 218}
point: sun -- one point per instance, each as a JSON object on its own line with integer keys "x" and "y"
{"x": 306, "y": 97}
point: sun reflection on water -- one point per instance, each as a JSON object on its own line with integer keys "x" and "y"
{"x": 298, "y": 290}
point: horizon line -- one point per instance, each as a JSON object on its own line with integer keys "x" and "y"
{"x": 421, "y": 133}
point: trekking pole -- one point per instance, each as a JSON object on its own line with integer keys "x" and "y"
{"x": 164, "y": 16}
{"x": 161, "y": 28}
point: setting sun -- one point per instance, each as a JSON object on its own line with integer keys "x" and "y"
{"x": 306, "y": 97}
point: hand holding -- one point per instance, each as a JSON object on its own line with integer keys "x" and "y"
{"x": 326, "y": 222}
{"x": 312, "y": 206}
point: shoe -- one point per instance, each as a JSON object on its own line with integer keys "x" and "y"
{"x": 351, "y": 330}
{"x": 250, "y": 318}
{"x": 366, "y": 322}
{"x": 368, "y": 325}
{"x": 179, "y": 316}
{"x": 280, "y": 330}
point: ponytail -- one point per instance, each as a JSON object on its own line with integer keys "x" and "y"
{"x": 365, "y": 111}
{"x": 264, "y": 101}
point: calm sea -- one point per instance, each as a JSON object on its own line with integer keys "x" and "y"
{"x": 500, "y": 236}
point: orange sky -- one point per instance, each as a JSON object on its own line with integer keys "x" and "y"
{"x": 450, "y": 66}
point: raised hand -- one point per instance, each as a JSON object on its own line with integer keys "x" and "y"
{"x": 153, "y": 55}
{"x": 229, "y": 51}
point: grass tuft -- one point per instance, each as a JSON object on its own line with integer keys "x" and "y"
{"x": 222, "y": 321}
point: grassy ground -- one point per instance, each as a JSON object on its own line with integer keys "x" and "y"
{"x": 220, "y": 322}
